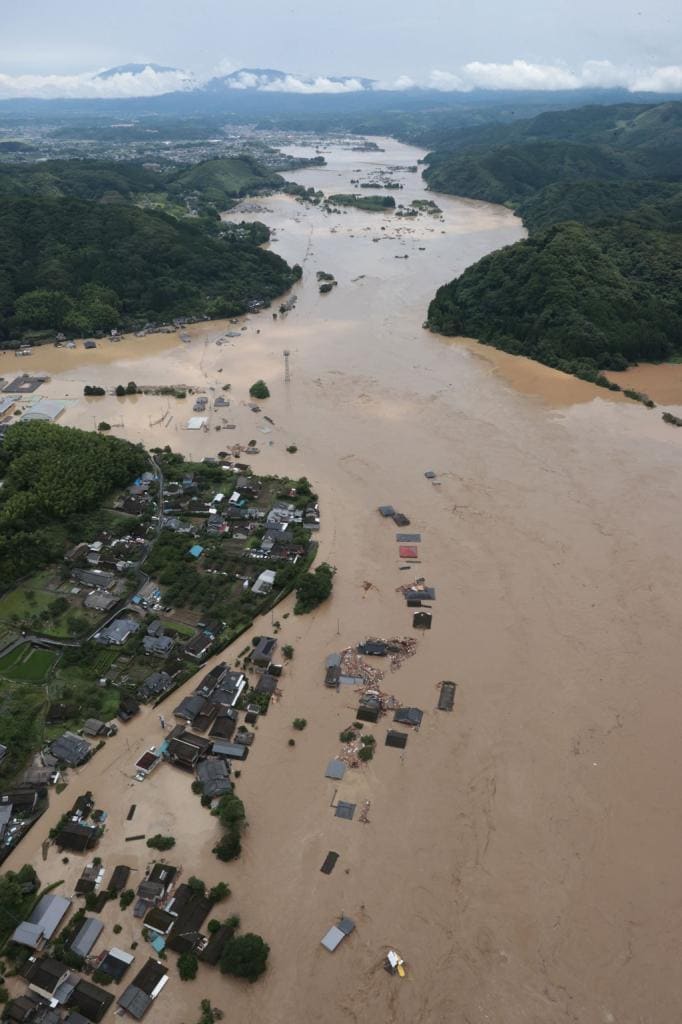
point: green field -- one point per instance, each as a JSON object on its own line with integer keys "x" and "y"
{"x": 27, "y": 664}
{"x": 31, "y": 606}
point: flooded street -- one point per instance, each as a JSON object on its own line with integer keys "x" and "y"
{"x": 522, "y": 854}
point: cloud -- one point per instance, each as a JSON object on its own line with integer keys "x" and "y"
{"x": 514, "y": 75}
{"x": 316, "y": 85}
{"x": 445, "y": 81}
{"x": 88, "y": 86}
{"x": 400, "y": 84}
{"x": 593, "y": 74}
{"x": 668, "y": 79}
{"x": 519, "y": 74}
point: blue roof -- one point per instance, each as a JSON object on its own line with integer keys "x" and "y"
{"x": 196, "y": 550}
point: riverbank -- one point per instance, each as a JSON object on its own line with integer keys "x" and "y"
{"x": 501, "y": 849}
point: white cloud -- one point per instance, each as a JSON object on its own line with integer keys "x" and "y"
{"x": 316, "y": 85}
{"x": 399, "y": 84}
{"x": 445, "y": 81}
{"x": 88, "y": 86}
{"x": 519, "y": 74}
{"x": 668, "y": 79}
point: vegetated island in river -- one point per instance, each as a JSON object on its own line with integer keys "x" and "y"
{"x": 596, "y": 286}
{"x": 99, "y": 245}
{"x": 376, "y": 204}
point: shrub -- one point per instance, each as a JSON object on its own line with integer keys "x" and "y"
{"x": 368, "y": 740}
{"x": 299, "y": 723}
{"x": 159, "y": 842}
{"x": 288, "y": 651}
{"x": 102, "y": 978}
{"x": 126, "y": 898}
{"x": 292, "y": 742}
{"x": 213, "y": 926}
{"x": 259, "y": 390}
{"x": 103, "y": 425}
{"x": 209, "y": 1014}
{"x": 229, "y": 847}
{"x": 187, "y": 966}
{"x": 4, "y": 994}
{"x": 347, "y": 736}
{"x": 245, "y": 956}
{"x": 117, "y": 929}
{"x": 366, "y": 753}
{"x": 219, "y": 892}
{"x": 292, "y": 449}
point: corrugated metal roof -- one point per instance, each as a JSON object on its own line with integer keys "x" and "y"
{"x": 87, "y": 936}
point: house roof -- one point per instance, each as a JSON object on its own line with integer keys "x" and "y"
{"x": 159, "y": 920}
{"x": 223, "y": 727}
{"x": 91, "y": 1000}
{"x": 70, "y": 748}
{"x": 77, "y": 837}
{"x": 157, "y": 644}
{"x": 116, "y": 963}
{"x": 87, "y": 936}
{"x": 154, "y": 685}
{"x": 43, "y": 922}
{"x": 46, "y": 973}
{"x": 118, "y": 880}
{"x": 190, "y": 707}
{"x": 163, "y": 873}
{"x": 408, "y": 716}
{"x": 118, "y": 631}
{"x": 198, "y": 645}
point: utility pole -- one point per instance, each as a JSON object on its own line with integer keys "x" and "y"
{"x": 287, "y": 374}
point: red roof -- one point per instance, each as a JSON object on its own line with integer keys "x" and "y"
{"x": 408, "y": 551}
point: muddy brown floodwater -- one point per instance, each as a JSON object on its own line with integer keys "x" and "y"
{"x": 522, "y": 854}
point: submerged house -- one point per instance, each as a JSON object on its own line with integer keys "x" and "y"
{"x": 143, "y": 989}
{"x": 43, "y": 922}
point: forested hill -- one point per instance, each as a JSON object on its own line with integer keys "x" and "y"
{"x": 81, "y": 267}
{"x": 599, "y": 282}
{"x": 51, "y": 477}
{"x": 508, "y": 163}
{"x": 81, "y": 179}
{"x": 216, "y": 182}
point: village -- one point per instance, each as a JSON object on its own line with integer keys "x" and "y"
{"x": 65, "y": 955}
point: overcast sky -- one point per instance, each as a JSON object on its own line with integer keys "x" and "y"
{"x": 493, "y": 43}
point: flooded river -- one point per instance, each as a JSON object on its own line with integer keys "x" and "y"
{"x": 522, "y": 854}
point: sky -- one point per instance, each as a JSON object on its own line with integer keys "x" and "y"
{"x": 54, "y": 47}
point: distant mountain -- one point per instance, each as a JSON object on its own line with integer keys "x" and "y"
{"x": 273, "y": 80}
{"x": 137, "y": 69}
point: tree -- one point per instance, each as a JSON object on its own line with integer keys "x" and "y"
{"x": 126, "y": 898}
{"x": 231, "y": 810}
{"x": 120, "y": 391}
{"x": 229, "y": 847}
{"x": 196, "y": 885}
{"x": 314, "y": 588}
{"x": 245, "y": 956}
{"x": 220, "y": 891}
{"x": 299, "y": 723}
{"x": 259, "y": 390}
{"x": 187, "y": 966}
{"x": 159, "y": 842}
